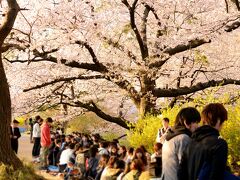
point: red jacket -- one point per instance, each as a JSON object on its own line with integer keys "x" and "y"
{"x": 45, "y": 135}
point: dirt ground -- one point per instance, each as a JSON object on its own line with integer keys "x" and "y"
{"x": 25, "y": 154}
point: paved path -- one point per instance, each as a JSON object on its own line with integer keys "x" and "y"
{"x": 25, "y": 148}
{"x": 25, "y": 154}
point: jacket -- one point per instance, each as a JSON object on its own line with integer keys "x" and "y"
{"x": 206, "y": 147}
{"x": 45, "y": 135}
{"x": 36, "y": 131}
{"x": 176, "y": 142}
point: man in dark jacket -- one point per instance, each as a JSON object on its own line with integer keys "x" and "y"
{"x": 15, "y": 134}
{"x": 207, "y": 153}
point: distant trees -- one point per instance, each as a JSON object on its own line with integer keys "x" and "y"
{"x": 144, "y": 50}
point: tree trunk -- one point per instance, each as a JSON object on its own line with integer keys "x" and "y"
{"x": 147, "y": 101}
{"x": 7, "y": 156}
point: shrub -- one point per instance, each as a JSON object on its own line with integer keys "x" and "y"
{"x": 146, "y": 129}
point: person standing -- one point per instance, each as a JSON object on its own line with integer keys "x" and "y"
{"x": 162, "y": 132}
{"x": 36, "y": 138}
{"x": 15, "y": 135}
{"x": 207, "y": 154}
{"x": 177, "y": 140}
{"x": 45, "y": 141}
{"x": 31, "y": 129}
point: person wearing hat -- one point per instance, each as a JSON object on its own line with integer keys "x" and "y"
{"x": 15, "y": 134}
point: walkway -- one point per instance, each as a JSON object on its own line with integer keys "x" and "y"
{"x": 25, "y": 154}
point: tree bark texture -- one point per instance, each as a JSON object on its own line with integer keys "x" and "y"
{"x": 7, "y": 156}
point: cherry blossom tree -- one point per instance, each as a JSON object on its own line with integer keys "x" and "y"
{"x": 7, "y": 156}
{"x": 140, "y": 50}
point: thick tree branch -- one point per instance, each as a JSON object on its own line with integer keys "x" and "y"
{"x": 159, "y": 63}
{"x": 93, "y": 108}
{"x": 233, "y": 26}
{"x": 9, "y": 20}
{"x": 7, "y": 46}
{"x": 143, "y": 48}
{"x": 187, "y": 46}
{"x": 198, "y": 87}
{"x": 62, "y": 79}
{"x": 144, "y": 27}
{"x": 90, "y": 50}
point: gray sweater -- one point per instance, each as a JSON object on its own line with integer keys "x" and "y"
{"x": 172, "y": 153}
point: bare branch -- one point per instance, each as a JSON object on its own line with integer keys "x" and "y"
{"x": 198, "y": 87}
{"x": 93, "y": 108}
{"x": 143, "y": 48}
{"x": 62, "y": 79}
{"x": 90, "y": 50}
{"x": 187, "y": 46}
{"x": 7, "y": 46}
{"x": 232, "y": 26}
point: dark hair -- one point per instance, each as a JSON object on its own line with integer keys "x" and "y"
{"x": 37, "y": 117}
{"x": 119, "y": 164}
{"x": 137, "y": 164}
{"x": 166, "y": 119}
{"x": 143, "y": 148}
{"x": 111, "y": 161}
{"x": 103, "y": 160}
{"x": 214, "y": 112}
{"x": 93, "y": 151}
{"x": 157, "y": 146}
{"x": 123, "y": 155}
{"x": 71, "y": 145}
{"x": 49, "y": 119}
{"x": 188, "y": 115}
{"x": 143, "y": 158}
{"x": 58, "y": 141}
{"x": 130, "y": 150}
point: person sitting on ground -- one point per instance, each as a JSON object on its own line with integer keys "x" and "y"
{"x": 155, "y": 168}
{"x": 177, "y": 140}
{"x": 122, "y": 153}
{"x": 65, "y": 156}
{"x": 53, "y": 158}
{"x": 208, "y": 151}
{"x": 92, "y": 163}
{"x": 130, "y": 152}
{"x": 146, "y": 153}
{"x": 70, "y": 172}
{"x": 113, "y": 150}
{"x": 101, "y": 165}
{"x": 162, "y": 132}
{"x": 115, "y": 171}
{"x": 137, "y": 167}
{"x": 109, "y": 165}
{"x": 157, "y": 152}
{"x": 125, "y": 171}
{"x": 103, "y": 148}
{"x": 139, "y": 154}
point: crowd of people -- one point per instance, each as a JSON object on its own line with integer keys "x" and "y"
{"x": 185, "y": 151}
